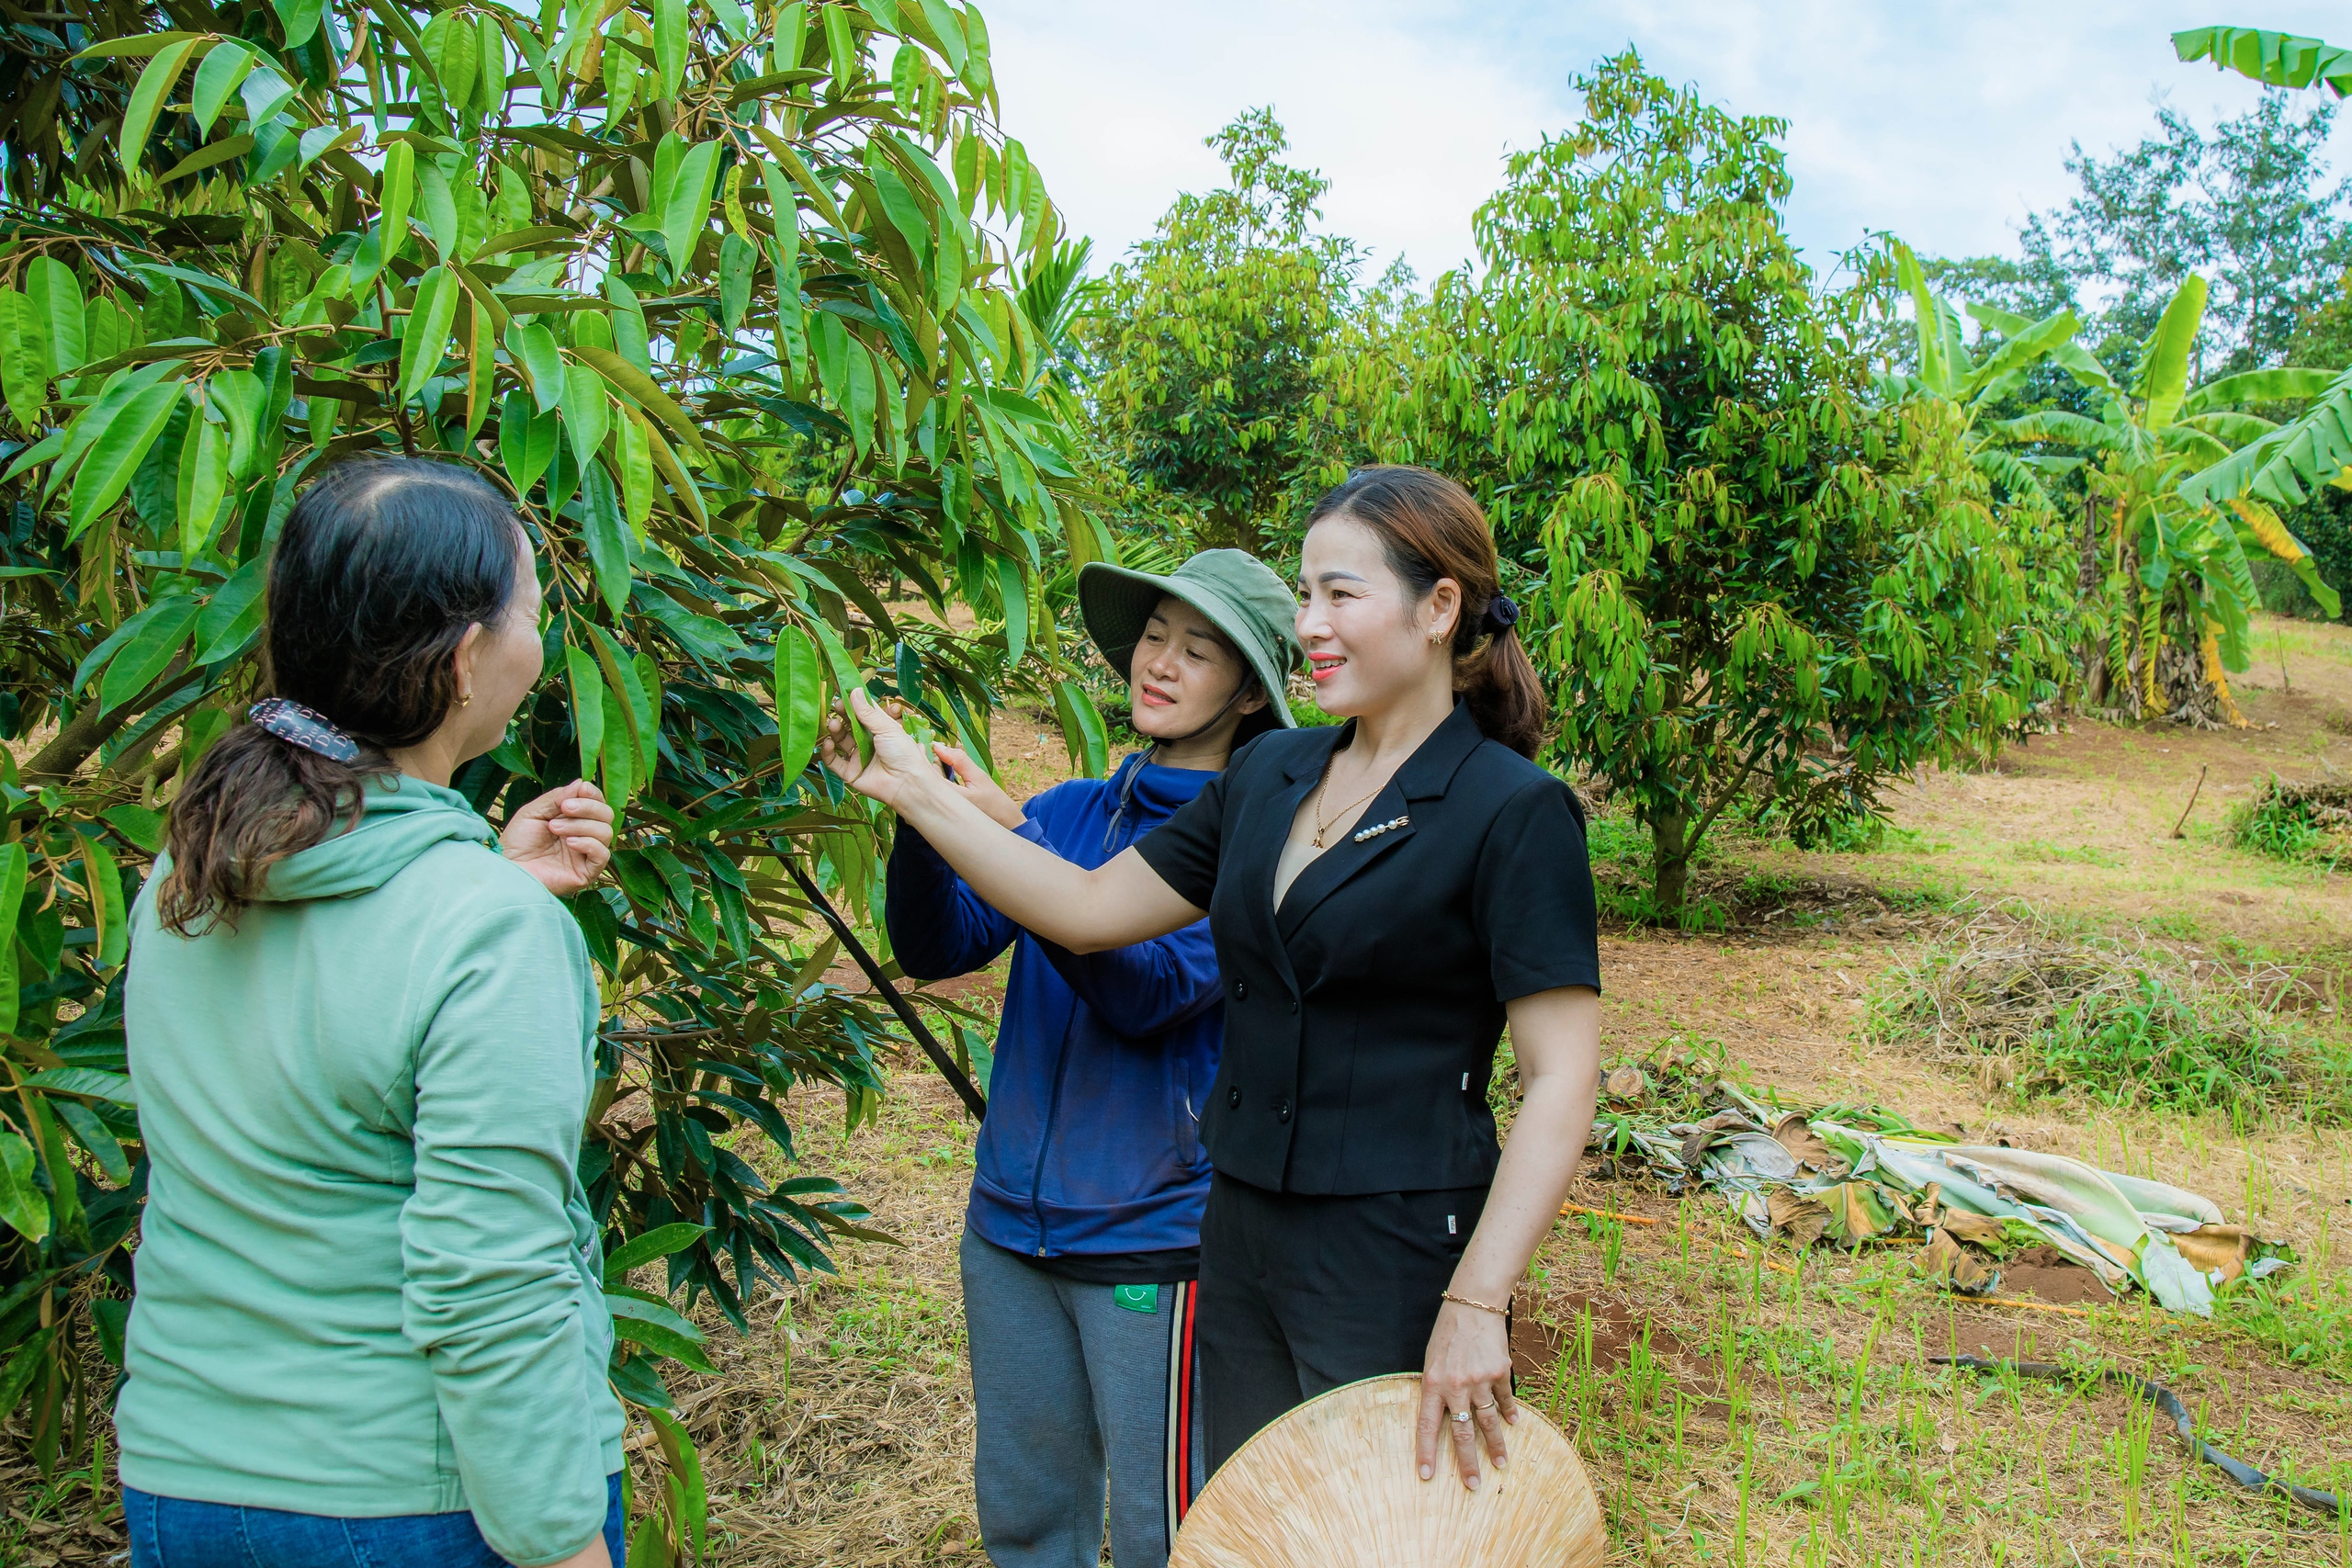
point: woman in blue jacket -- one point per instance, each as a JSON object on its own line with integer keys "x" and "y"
{"x": 1082, "y": 1243}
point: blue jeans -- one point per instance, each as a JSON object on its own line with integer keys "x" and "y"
{"x": 168, "y": 1532}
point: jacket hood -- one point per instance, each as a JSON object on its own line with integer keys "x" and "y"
{"x": 399, "y": 818}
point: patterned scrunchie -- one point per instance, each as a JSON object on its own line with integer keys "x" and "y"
{"x": 306, "y": 727}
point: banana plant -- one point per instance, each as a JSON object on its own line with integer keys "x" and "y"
{"x": 2173, "y": 553}
{"x": 1975, "y": 383}
{"x": 2286, "y": 464}
{"x": 2273, "y": 59}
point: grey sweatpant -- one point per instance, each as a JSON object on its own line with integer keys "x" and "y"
{"x": 1082, "y": 1391}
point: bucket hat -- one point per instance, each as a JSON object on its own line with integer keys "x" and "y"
{"x": 1240, "y": 594}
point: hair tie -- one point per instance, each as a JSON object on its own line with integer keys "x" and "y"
{"x": 1500, "y": 616}
{"x": 302, "y": 726}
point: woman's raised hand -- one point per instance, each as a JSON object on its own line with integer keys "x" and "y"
{"x": 898, "y": 765}
{"x": 563, "y": 838}
{"x": 978, "y": 789}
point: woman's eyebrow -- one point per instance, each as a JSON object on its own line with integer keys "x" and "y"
{"x": 1335, "y": 576}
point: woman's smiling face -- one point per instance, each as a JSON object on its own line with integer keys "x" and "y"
{"x": 1182, "y": 673}
{"x": 1368, "y": 641}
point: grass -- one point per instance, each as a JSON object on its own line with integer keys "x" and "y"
{"x": 2042, "y": 1011}
{"x": 1743, "y": 1406}
{"x": 2307, "y": 824}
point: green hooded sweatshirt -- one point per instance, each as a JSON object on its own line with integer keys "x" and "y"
{"x": 369, "y": 1282}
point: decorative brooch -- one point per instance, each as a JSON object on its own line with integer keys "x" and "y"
{"x": 1375, "y": 833}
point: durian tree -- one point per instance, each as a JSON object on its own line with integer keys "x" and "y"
{"x": 722, "y": 296}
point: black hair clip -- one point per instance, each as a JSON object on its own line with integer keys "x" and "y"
{"x": 1500, "y": 616}
{"x": 306, "y": 727}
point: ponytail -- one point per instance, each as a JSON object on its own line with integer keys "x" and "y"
{"x": 254, "y": 799}
{"x": 1431, "y": 528}
{"x": 384, "y": 566}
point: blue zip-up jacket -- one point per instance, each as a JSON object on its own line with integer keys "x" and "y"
{"x": 1091, "y": 1143}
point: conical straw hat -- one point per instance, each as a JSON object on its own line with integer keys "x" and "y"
{"x": 1333, "y": 1485}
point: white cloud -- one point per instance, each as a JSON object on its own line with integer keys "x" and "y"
{"x": 1945, "y": 121}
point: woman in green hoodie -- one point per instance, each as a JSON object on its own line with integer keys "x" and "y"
{"x": 370, "y": 1327}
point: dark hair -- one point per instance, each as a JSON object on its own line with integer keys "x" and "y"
{"x": 383, "y": 565}
{"x": 1430, "y": 528}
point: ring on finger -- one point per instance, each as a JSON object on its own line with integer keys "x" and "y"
{"x": 1461, "y": 1416}
{"x": 1488, "y": 1406}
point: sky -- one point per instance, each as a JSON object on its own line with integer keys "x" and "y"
{"x": 1945, "y": 122}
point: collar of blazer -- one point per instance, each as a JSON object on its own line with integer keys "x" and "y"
{"x": 1426, "y": 773}
{"x": 1424, "y": 776}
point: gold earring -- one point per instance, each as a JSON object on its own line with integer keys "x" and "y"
{"x": 465, "y": 699}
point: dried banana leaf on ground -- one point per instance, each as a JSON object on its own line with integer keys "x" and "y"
{"x": 1856, "y": 1173}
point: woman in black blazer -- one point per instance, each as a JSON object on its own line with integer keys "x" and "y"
{"x": 1384, "y": 897}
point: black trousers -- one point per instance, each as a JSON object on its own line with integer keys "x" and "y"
{"x": 1300, "y": 1294}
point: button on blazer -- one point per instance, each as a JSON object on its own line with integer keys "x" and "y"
{"x": 1361, "y": 1016}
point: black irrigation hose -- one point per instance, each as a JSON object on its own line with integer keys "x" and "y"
{"x": 2169, "y": 1402}
{"x": 966, "y": 1090}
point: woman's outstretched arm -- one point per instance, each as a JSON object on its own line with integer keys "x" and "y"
{"x": 1121, "y": 902}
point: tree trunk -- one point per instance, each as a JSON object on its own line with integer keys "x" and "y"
{"x": 1671, "y": 840}
{"x": 2086, "y": 584}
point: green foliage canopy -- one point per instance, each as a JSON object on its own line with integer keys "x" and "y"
{"x": 720, "y": 296}
{"x": 1755, "y": 575}
{"x": 1209, "y": 339}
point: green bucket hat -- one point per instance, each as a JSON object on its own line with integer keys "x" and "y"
{"x": 1240, "y": 594}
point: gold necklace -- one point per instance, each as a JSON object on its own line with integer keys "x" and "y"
{"x": 1323, "y": 826}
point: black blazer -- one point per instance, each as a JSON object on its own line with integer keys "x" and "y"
{"x": 1360, "y": 1019}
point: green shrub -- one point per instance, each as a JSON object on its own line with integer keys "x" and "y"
{"x": 2041, "y": 1013}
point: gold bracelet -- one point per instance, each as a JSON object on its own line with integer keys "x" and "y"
{"x": 1465, "y": 1300}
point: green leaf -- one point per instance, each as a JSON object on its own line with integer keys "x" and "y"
{"x": 585, "y": 415}
{"x": 608, "y": 534}
{"x": 1015, "y": 592}
{"x": 88, "y": 1081}
{"x": 2283, "y": 384}
{"x": 121, "y": 445}
{"x": 670, "y": 44}
{"x": 223, "y": 70}
{"x": 587, "y": 705}
{"x": 162, "y": 627}
{"x": 637, "y": 1381}
{"x": 233, "y": 613}
{"x": 1083, "y": 730}
{"x": 643, "y": 1307}
{"x": 527, "y": 439}
{"x": 21, "y": 1203}
{"x": 2273, "y": 59}
{"x": 433, "y": 312}
{"x": 26, "y": 1364}
{"x": 800, "y": 691}
{"x": 685, "y": 210}
{"x": 840, "y": 46}
{"x": 24, "y": 357}
{"x": 660, "y": 1341}
{"x": 660, "y": 1242}
{"x": 737, "y": 261}
{"x": 137, "y": 823}
{"x": 534, "y": 349}
{"x": 56, "y": 296}
{"x": 147, "y": 101}
{"x": 103, "y": 882}
{"x": 397, "y": 183}
{"x": 204, "y": 481}
{"x": 2164, "y": 375}
{"x": 299, "y": 18}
